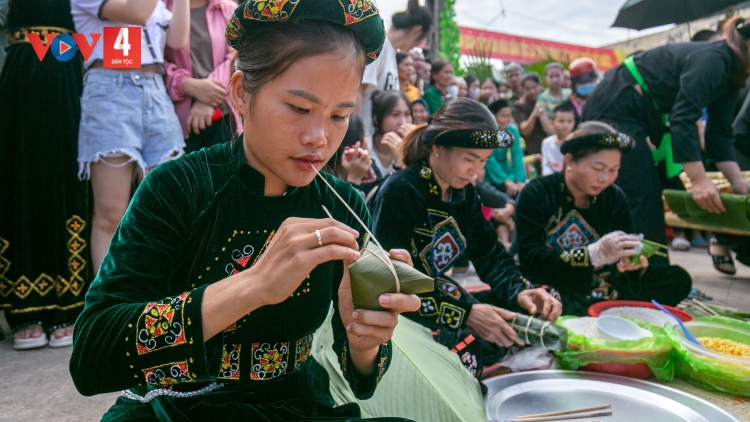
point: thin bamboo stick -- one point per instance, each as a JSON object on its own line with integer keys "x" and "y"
{"x": 562, "y": 417}
{"x": 566, "y": 412}
{"x": 698, "y": 303}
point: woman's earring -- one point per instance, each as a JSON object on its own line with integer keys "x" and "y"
{"x": 437, "y": 155}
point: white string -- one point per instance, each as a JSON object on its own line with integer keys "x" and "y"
{"x": 364, "y": 226}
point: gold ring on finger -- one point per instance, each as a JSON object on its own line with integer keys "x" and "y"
{"x": 320, "y": 238}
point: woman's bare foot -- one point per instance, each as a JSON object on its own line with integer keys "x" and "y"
{"x": 63, "y": 332}
{"x": 32, "y": 331}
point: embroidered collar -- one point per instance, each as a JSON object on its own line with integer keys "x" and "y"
{"x": 567, "y": 196}
{"x": 432, "y": 188}
{"x": 247, "y": 174}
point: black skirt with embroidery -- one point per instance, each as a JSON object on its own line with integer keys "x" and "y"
{"x": 44, "y": 219}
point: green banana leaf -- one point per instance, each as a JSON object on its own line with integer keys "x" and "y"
{"x": 736, "y": 217}
{"x": 371, "y": 275}
{"x": 647, "y": 249}
{"x": 425, "y": 382}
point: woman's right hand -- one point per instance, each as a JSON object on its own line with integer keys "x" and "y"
{"x": 358, "y": 164}
{"x": 511, "y": 188}
{"x": 208, "y": 91}
{"x": 393, "y": 142}
{"x": 613, "y": 246}
{"x": 490, "y": 324}
{"x": 294, "y": 252}
{"x": 706, "y": 195}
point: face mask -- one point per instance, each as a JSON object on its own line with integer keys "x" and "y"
{"x": 452, "y": 91}
{"x": 586, "y": 89}
{"x": 474, "y": 92}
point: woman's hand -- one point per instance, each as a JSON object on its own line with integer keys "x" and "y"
{"x": 613, "y": 246}
{"x": 511, "y": 188}
{"x": 706, "y": 195}
{"x": 404, "y": 129}
{"x": 207, "y": 91}
{"x": 393, "y": 142}
{"x": 294, "y": 252}
{"x": 624, "y": 264}
{"x": 199, "y": 117}
{"x": 489, "y": 323}
{"x": 357, "y": 165}
{"x": 540, "y": 302}
{"x": 366, "y": 329}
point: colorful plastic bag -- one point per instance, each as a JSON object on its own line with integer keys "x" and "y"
{"x": 707, "y": 372}
{"x": 655, "y": 352}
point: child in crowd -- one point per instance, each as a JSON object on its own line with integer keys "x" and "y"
{"x": 506, "y": 175}
{"x": 564, "y": 122}
{"x": 555, "y": 94}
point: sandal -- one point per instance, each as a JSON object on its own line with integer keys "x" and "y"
{"x": 31, "y": 342}
{"x": 722, "y": 258}
{"x": 680, "y": 244}
{"x": 63, "y": 341}
{"x": 699, "y": 242}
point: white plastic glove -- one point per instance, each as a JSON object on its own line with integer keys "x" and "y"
{"x": 613, "y": 246}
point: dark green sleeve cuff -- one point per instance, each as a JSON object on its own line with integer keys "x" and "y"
{"x": 363, "y": 386}
{"x": 173, "y": 330}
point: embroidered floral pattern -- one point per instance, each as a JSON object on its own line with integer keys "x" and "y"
{"x": 270, "y": 10}
{"x": 303, "y": 351}
{"x": 230, "y": 362}
{"x": 470, "y": 362}
{"x": 447, "y": 245}
{"x": 358, "y": 10}
{"x": 161, "y": 324}
{"x": 451, "y": 315}
{"x": 269, "y": 361}
{"x": 169, "y": 374}
{"x": 429, "y": 306}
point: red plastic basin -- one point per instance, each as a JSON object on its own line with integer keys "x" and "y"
{"x": 598, "y": 308}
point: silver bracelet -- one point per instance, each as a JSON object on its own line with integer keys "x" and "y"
{"x": 164, "y": 392}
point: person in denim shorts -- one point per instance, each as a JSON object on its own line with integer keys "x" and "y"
{"x": 128, "y": 124}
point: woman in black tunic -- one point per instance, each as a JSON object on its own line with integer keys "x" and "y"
{"x": 573, "y": 230}
{"x": 224, "y": 264}
{"x": 45, "y": 265}
{"x": 678, "y": 80}
{"x": 432, "y": 209}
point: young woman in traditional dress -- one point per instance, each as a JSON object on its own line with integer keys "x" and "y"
{"x": 225, "y": 264}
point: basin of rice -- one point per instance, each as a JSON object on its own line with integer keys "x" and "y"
{"x": 658, "y": 318}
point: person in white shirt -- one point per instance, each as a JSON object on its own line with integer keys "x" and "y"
{"x": 128, "y": 123}
{"x": 563, "y": 122}
{"x": 408, "y": 29}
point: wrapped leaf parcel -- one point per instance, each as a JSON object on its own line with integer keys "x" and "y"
{"x": 540, "y": 332}
{"x": 375, "y": 273}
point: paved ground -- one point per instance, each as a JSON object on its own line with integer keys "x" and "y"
{"x": 36, "y": 384}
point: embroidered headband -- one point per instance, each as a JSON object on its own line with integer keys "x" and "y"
{"x": 467, "y": 138}
{"x": 361, "y": 16}
{"x": 619, "y": 141}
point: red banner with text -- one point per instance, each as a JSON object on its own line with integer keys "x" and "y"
{"x": 524, "y": 50}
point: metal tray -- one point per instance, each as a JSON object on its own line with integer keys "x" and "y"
{"x": 512, "y": 395}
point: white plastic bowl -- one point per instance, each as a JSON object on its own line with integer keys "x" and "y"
{"x": 617, "y": 329}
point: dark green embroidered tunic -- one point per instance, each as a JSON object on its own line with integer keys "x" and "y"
{"x": 409, "y": 213}
{"x": 552, "y": 238}
{"x": 194, "y": 221}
